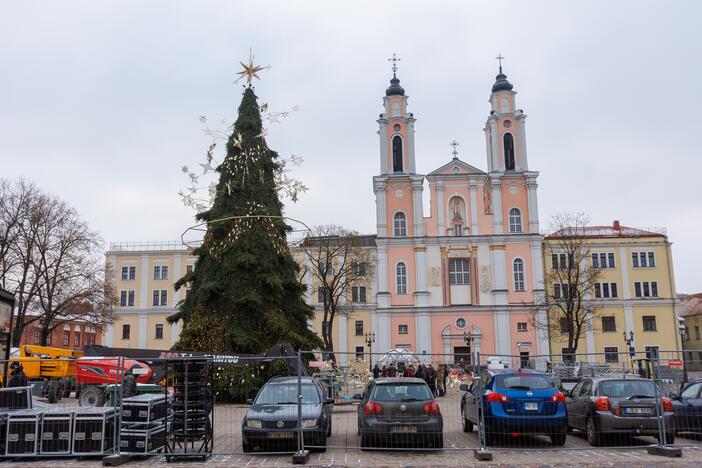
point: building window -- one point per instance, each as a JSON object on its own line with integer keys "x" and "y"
{"x": 358, "y": 269}
{"x": 611, "y": 354}
{"x": 603, "y": 260}
{"x": 646, "y": 289}
{"x": 402, "y": 329}
{"x": 561, "y": 261}
{"x": 128, "y": 273}
{"x": 401, "y": 278}
{"x": 567, "y": 355}
{"x": 697, "y": 332}
{"x": 187, "y": 294}
{"x": 649, "y": 323}
{"x": 652, "y": 352}
{"x": 359, "y": 353}
{"x": 400, "y": 225}
{"x": 609, "y": 324}
{"x": 322, "y": 294}
{"x": 564, "y": 324}
{"x": 89, "y": 339}
{"x": 158, "y": 335}
{"x": 508, "y": 143}
{"x": 605, "y": 289}
{"x": 125, "y": 332}
{"x": 643, "y": 259}
{"x": 459, "y": 270}
{"x": 160, "y": 297}
{"x": 515, "y": 220}
{"x": 521, "y": 326}
{"x": 161, "y": 272}
{"x": 457, "y": 230}
{"x": 560, "y": 291}
{"x": 188, "y": 269}
{"x": 126, "y": 298}
{"x": 66, "y": 338}
{"x": 359, "y": 327}
{"x": 358, "y": 294}
{"x": 518, "y": 272}
{"x": 37, "y": 336}
{"x": 76, "y": 339}
{"x": 397, "y": 154}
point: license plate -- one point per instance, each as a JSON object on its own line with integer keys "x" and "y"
{"x": 638, "y": 411}
{"x": 531, "y": 406}
{"x": 405, "y": 429}
{"x": 280, "y": 435}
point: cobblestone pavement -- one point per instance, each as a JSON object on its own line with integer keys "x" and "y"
{"x": 458, "y": 448}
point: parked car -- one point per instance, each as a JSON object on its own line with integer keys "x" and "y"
{"x": 618, "y": 406}
{"x": 272, "y": 420}
{"x": 400, "y": 411}
{"x": 514, "y": 403}
{"x": 687, "y": 407}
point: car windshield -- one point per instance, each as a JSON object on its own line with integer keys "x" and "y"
{"x": 627, "y": 388}
{"x": 523, "y": 382}
{"x": 401, "y": 392}
{"x": 286, "y": 394}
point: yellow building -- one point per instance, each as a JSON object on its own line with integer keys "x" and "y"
{"x": 691, "y": 311}
{"x": 635, "y": 292}
{"x": 144, "y": 274}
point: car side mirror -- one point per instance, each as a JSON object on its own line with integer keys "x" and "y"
{"x": 328, "y": 401}
{"x": 249, "y": 402}
{"x": 463, "y": 387}
{"x": 674, "y": 396}
{"x": 357, "y": 396}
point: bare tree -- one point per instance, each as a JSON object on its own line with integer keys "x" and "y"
{"x": 569, "y": 279}
{"x": 337, "y": 261}
{"x": 51, "y": 261}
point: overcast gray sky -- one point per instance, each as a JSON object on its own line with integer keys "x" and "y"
{"x": 99, "y": 101}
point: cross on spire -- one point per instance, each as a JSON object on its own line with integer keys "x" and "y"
{"x": 454, "y": 145}
{"x": 499, "y": 58}
{"x": 394, "y": 59}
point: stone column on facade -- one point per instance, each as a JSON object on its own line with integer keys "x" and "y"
{"x": 496, "y": 185}
{"x": 421, "y": 294}
{"x": 383, "y": 132}
{"x": 522, "y": 142}
{"x": 623, "y": 262}
{"x": 380, "y": 208}
{"x": 533, "y": 205}
{"x": 382, "y": 334}
{"x": 410, "y": 144}
{"x": 473, "y": 186}
{"x": 108, "y": 335}
{"x": 175, "y": 332}
{"x": 537, "y": 267}
{"x": 495, "y": 147}
{"x": 343, "y": 357}
{"x": 144, "y": 284}
{"x": 499, "y": 275}
{"x": 440, "y": 208}
{"x": 143, "y": 330}
{"x": 488, "y": 147}
{"x": 417, "y": 210}
{"x": 502, "y": 332}
{"x": 383, "y": 294}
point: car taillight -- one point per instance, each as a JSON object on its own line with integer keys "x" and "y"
{"x": 667, "y": 404}
{"x": 432, "y": 408}
{"x": 558, "y": 397}
{"x": 372, "y": 408}
{"x": 496, "y": 397}
{"x": 602, "y": 403}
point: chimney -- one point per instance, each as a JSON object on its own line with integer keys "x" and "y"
{"x": 616, "y": 226}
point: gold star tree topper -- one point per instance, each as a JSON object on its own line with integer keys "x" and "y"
{"x": 250, "y": 70}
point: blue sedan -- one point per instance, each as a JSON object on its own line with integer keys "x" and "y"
{"x": 688, "y": 407}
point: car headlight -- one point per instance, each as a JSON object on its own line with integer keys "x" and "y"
{"x": 309, "y": 423}
{"x": 253, "y": 424}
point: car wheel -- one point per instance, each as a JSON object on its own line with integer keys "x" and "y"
{"x": 247, "y": 448}
{"x": 467, "y": 425}
{"x": 92, "y": 396}
{"x": 558, "y": 440}
{"x": 593, "y": 437}
{"x": 437, "y": 442}
{"x": 329, "y": 429}
{"x": 365, "y": 442}
{"x": 669, "y": 438}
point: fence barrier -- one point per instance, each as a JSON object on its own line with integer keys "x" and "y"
{"x": 179, "y": 406}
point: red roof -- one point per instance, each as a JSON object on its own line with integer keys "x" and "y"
{"x": 691, "y": 305}
{"x": 615, "y": 230}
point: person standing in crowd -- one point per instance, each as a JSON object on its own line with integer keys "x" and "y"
{"x": 410, "y": 371}
{"x": 440, "y": 380}
{"x": 384, "y": 372}
{"x": 392, "y": 370}
{"x": 431, "y": 379}
{"x": 376, "y": 371}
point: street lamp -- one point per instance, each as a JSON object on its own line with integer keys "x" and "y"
{"x": 629, "y": 341}
{"x": 682, "y": 329}
{"x": 7, "y": 306}
{"x": 468, "y": 338}
{"x": 370, "y": 339}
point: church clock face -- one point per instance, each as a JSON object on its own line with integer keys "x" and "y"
{"x": 508, "y": 123}
{"x": 396, "y": 127}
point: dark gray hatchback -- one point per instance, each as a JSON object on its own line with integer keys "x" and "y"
{"x": 399, "y": 411}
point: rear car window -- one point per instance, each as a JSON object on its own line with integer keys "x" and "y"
{"x": 523, "y": 382}
{"x": 401, "y": 392}
{"x": 627, "y": 388}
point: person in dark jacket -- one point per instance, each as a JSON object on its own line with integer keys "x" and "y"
{"x": 129, "y": 385}
{"x": 17, "y": 376}
{"x": 431, "y": 378}
{"x": 392, "y": 371}
{"x": 376, "y": 371}
{"x": 420, "y": 372}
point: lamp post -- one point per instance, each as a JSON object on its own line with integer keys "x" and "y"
{"x": 683, "y": 337}
{"x": 7, "y": 307}
{"x": 468, "y": 338}
{"x": 632, "y": 351}
{"x": 370, "y": 339}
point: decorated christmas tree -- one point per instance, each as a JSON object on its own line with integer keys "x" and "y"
{"x": 244, "y": 290}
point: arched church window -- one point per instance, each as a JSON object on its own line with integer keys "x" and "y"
{"x": 401, "y": 278}
{"x": 397, "y": 154}
{"x": 508, "y": 144}
{"x": 400, "y": 225}
{"x": 458, "y": 212}
{"x": 515, "y": 220}
{"x": 518, "y": 271}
